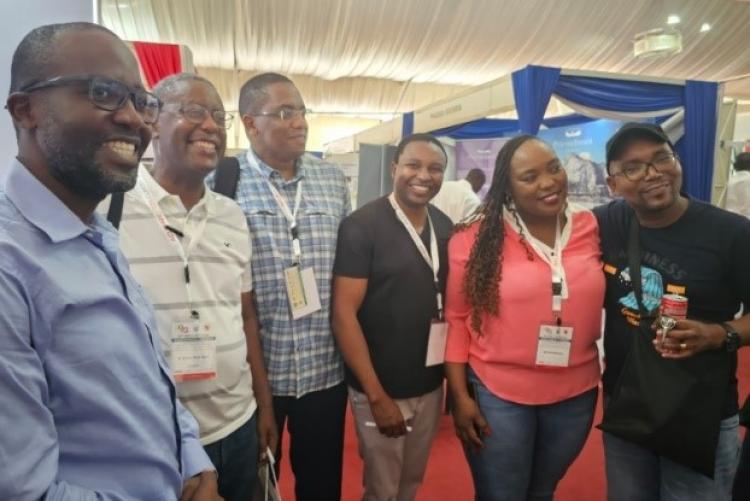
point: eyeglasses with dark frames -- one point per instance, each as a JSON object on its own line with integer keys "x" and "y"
{"x": 107, "y": 94}
{"x": 635, "y": 171}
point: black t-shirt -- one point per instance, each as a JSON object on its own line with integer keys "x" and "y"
{"x": 400, "y": 301}
{"x": 702, "y": 256}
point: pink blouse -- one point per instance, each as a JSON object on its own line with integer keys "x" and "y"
{"x": 504, "y": 357}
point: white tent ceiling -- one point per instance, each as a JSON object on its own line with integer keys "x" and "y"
{"x": 396, "y": 55}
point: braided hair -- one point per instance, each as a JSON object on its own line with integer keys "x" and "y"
{"x": 485, "y": 265}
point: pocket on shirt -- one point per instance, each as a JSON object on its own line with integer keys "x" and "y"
{"x": 322, "y": 222}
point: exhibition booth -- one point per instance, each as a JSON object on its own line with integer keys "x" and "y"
{"x": 690, "y": 111}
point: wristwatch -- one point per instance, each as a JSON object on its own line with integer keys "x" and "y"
{"x": 732, "y": 341}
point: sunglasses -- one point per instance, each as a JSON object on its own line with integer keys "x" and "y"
{"x": 107, "y": 94}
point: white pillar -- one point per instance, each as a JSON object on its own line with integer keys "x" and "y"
{"x": 17, "y": 18}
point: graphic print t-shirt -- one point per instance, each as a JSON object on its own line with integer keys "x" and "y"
{"x": 704, "y": 256}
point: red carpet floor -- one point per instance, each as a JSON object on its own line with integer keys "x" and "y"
{"x": 448, "y": 477}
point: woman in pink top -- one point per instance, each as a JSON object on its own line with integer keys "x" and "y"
{"x": 524, "y": 300}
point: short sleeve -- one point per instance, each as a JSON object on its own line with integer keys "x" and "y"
{"x": 354, "y": 249}
{"x": 246, "y": 284}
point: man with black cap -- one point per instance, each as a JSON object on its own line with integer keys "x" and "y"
{"x": 688, "y": 248}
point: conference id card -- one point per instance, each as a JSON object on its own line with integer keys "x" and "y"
{"x": 553, "y": 349}
{"x": 436, "y": 343}
{"x": 193, "y": 351}
{"x": 302, "y": 291}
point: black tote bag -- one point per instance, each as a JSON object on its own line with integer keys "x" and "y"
{"x": 671, "y": 407}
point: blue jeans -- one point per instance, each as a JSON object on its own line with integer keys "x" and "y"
{"x": 235, "y": 458}
{"x": 637, "y": 474}
{"x": 530, "y": 447}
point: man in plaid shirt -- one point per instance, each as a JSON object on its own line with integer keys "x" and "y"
{"x": 294, "y": 203}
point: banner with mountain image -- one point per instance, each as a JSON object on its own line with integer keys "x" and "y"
{"x": 581, "y": 150}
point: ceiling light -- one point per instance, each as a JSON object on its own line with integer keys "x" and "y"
{"x": 673, "y": 19}
{"x": 705, "y": 27}
{"x": 658, "y": 42}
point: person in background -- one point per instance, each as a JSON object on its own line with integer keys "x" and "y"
{"x": 388, "y": 285}
{"x": 459, "y": 199}
{"x": 738, "y": 187}
{"x": 524, "y": 296}
{"x": 294, "y": 203}
{"x": 190, "y": 249}
{"x": 89, "y": 406}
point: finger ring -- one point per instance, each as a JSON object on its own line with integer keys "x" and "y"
{"x": 683, "y": 346}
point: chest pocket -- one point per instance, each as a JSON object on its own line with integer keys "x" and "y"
{"x": 266, "y": 222}
{"x": 321, "y": 222}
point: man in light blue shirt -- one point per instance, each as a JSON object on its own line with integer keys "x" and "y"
{"x": 89, "y": 409}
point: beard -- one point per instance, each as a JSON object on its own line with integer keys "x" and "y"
{"x": 71, "y": 159}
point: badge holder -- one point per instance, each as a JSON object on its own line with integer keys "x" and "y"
{"x": 301, "y": 288}
{"x": 193, "y": 350}
{"x": 438, "y": 337}
{"x": 555, "y": 339}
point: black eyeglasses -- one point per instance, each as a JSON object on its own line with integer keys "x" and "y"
{"x": 197, "y": 114}
{"x": 285, "y": 114}
{"x": 107, "y": 94}
{"x": 635, "y": 171}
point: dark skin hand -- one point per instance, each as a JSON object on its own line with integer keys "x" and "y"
{"x": 470, "y": 424}
{"x": 201, "y": 487}
{"x": 690, "y": 337}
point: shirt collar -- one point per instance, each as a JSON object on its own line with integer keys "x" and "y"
{"x": 268, "y": 172}
{"x": 42, "y": 208}
{"x": 160, "y": 195}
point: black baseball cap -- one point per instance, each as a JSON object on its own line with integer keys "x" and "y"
{"x": 630, "y": 131}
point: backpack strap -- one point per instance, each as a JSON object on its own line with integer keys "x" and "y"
{"x": 227, "y": 176}
{"x": 114, "y": 215}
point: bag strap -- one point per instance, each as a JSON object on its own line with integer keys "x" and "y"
{"x": 227, "y": 176}
{"x": 114, "y": 214}
{"x": 634, "y": 263}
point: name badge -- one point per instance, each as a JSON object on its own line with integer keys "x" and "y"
{"x": 553, "y": 349}
{"x": 302, "y": 291}
{"x": 193, "y": 351}
{"x": 436, "y": 343}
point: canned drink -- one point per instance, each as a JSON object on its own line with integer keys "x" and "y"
{"x": 674, "y": 306}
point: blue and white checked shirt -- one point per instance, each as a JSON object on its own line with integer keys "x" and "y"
{"x": 300, "y": 355}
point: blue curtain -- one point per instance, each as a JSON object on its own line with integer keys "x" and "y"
{"x": 532, "y": 90}
{"x": 484, "y": 128}
{"x": 697, "y": 147}
{"x": 407, "y": 124}
{"x": 487, "y": 128}
{"x": 619, "y": 95}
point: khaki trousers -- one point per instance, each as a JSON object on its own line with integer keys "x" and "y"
{"x": 394, "y": 467}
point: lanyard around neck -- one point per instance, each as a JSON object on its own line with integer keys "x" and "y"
{"x": 433, "y": 257}
{"x": 289, "y": 215}
{"x": 173, "y": 236}
{"x": 553, "y": 258}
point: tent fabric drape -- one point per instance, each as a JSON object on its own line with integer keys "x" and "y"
{"x": 629, "y": 96}
{"x": 698, "y": 145}
{"x": 158, "y": 60}
{"x": 532, "y": 90}
{"x": 407, "y": 124}
{"x": 487, "y": 128}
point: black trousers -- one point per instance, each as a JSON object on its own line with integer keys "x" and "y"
{"x": 316, "y": 441}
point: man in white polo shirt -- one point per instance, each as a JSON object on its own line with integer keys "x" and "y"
{"x": 190, "y": 249}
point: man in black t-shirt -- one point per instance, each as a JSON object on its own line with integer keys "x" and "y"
{"x": 688, "y": 248}
{"x": 389, "y": 277}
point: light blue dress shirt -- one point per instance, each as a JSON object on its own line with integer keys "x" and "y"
{"x": 88, "y": 405}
